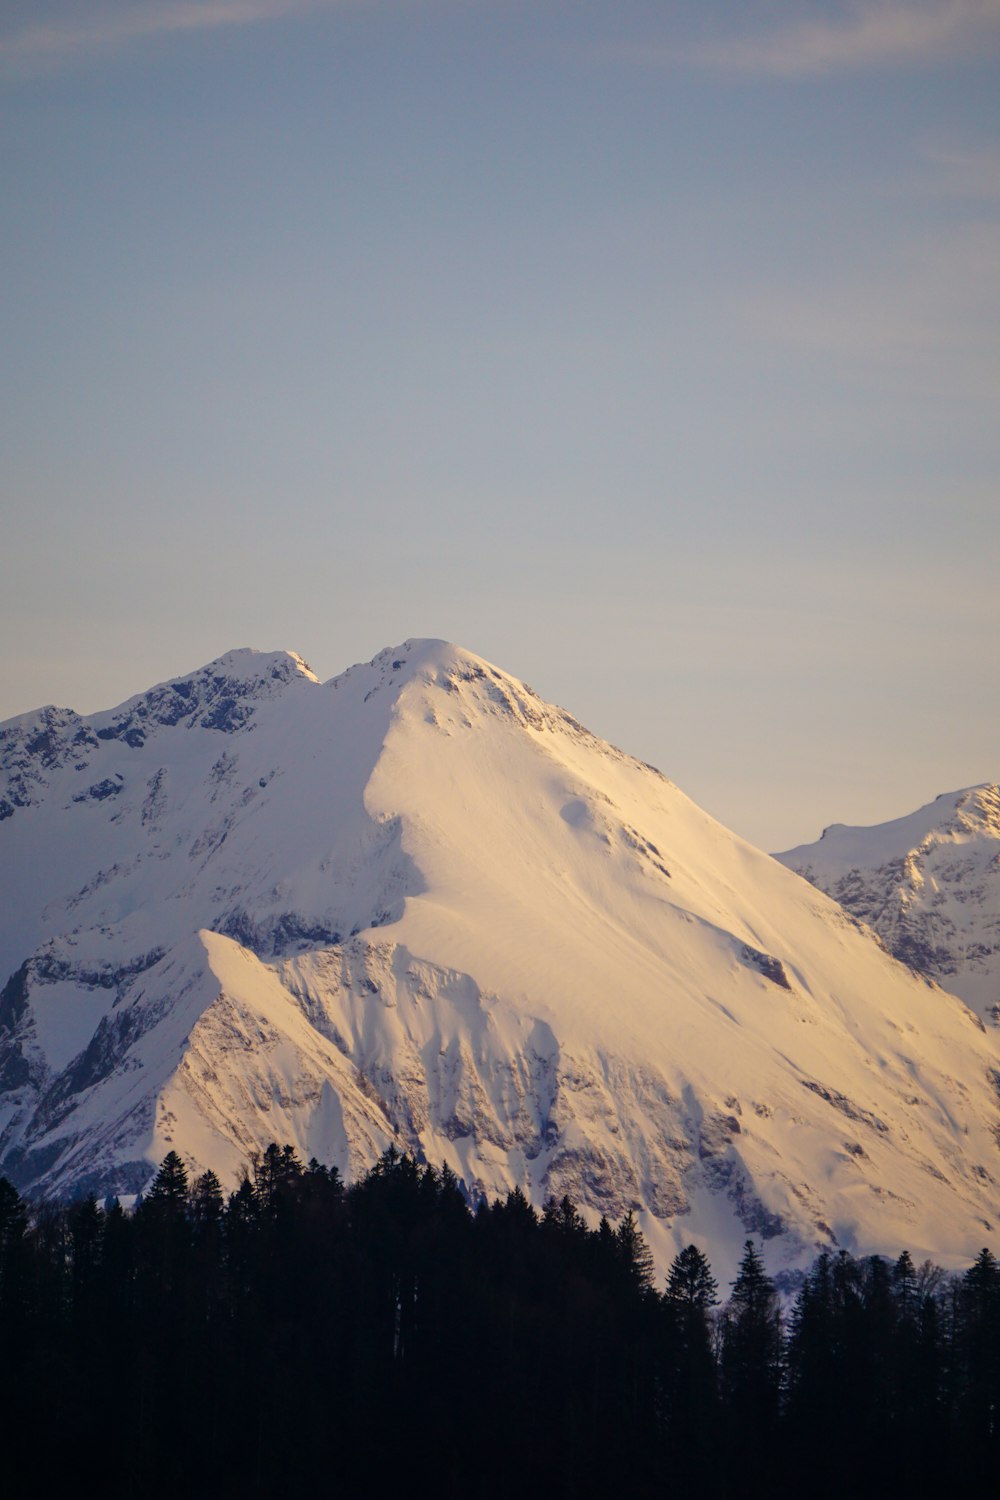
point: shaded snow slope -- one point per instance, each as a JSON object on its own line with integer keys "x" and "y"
{"x": 929, "y": 884}
{"x": 417, "y": 904}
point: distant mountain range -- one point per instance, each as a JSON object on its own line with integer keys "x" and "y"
{"x": 418, "y": 905}
{"x": 929, "y": 884}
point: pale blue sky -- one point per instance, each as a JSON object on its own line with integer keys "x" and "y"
{"x": 651, "y": 350}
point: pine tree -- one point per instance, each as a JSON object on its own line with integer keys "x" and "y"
{"x": 913, "y": 1375}
{"x": 169, "y": 1192}
{"x": 276, "y": 1175}
{"x": 691, "y": 1287}
{"x": 86, "y": 1233}
{"x": 977, "y": 1336}
{"x": 13, "y": 1224}
{"x": 904, "y": 1287}
{"x": 163, "y": 1236}
{"x": 13, "y": 1257}
{"x": 563, "y": 1221}
{"x": 207, "y": 1203}
{"x": 634, "y": 1255}
{"x": 690, "y": 1388}
{"x": 752, "y": 1367}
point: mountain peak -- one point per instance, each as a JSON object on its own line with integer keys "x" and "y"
{"x": 423, "y": 656}
{"x": 951, "y": 815}
{"x": 928, "y": 883}
{"x": 422, "y": 666}
{"x": 221, "y": 695}
{"x": 435, "y": 911}
{"x": 246, "y": 663}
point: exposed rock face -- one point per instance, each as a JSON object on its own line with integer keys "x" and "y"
{"x": 929, "y": 885}
{"x": 418, "y": 905}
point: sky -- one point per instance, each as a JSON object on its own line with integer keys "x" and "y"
{"x": 650, "y": 350}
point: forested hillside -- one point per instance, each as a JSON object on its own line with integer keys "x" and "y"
{"x": 386, "y": 1335}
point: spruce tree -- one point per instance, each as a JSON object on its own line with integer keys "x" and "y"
{"x": 691, "y": 1287}
{"x": 13, "y": 1227}
{"x": 207, "y": 1203}
{"x": 169, "y": 1192}
{"x": 977, "y": 1335}
{"x": 690, "y": 1389}
{"x": 752, "y": 1367}
{"x": 634, "y": 1255}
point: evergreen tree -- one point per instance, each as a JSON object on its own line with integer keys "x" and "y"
{"x": 13, "y": 1228}
{"x": 207, "y": 1203}
{"x": 16, "y": 1295}
{"x": 905, "y": 1289}
{"x": 634, "y": 1255}
{"x": 392, "y": 1295}
{"x": 563, "y": 1218}
{"x": 914, "y": 1375}
{"x": 691, "y": 1287}
{"x": 689, "y": 1377}
{"x": 86, "y": 1233}
{"x": 276, "y": 1175}
{"x": 518, "y": 1209}
{"x": 752, "y": 1367}
{"x": 813, "y": 1367}
{"x": 168, "y": 1195}
{"x": 977, "y": 1338}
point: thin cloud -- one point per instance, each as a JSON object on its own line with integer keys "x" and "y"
{"x": 72, "y": 36}
{"x": 868, "y": 34}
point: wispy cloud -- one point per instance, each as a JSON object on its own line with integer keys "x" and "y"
{"x": 864, "y": 34}
{"x": 83, "y": 30}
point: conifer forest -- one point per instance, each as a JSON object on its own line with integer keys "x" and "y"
{"x": 302, "y": 1335}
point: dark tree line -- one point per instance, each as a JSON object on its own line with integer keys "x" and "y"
{"x": 301, "y": 1333}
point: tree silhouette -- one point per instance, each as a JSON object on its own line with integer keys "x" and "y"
{"x": 752, "y": 1368}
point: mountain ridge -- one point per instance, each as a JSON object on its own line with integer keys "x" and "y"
{"x": 416, "y": 904}
{"x": 928, "y": 884}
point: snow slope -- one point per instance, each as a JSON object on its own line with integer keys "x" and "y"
{"x": 929, "y": 884}
{"x": 417, "y": 904}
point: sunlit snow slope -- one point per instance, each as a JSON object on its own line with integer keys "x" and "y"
{"x": 417, "y": 905}
{"x": 929, "y": 884}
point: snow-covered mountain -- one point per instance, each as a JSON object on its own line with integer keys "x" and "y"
{"x": 929, "y": 884}
{"x": 416, "y": 904}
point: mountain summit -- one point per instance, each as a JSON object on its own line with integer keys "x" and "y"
{"x": 418, "y": 905}
{"x": 929, "y": 884}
